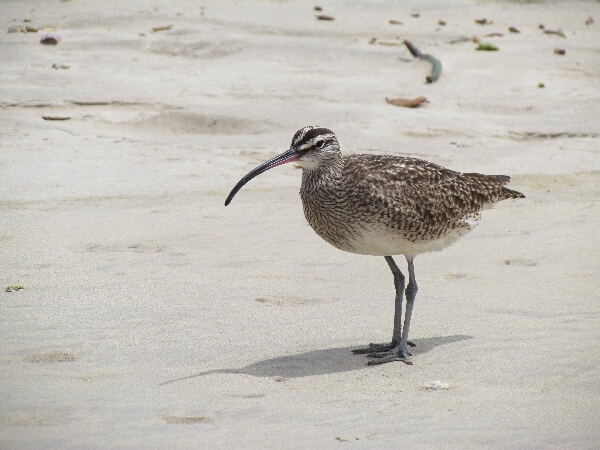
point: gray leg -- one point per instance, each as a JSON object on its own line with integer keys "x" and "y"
{"x": 411, "y": 294}
{"x": 399, "y": 285}
{"x": 386, "y": 351}
{"x": 400, "y": 352}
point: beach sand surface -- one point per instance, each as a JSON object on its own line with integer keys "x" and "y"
{"x": 154, "y": 317}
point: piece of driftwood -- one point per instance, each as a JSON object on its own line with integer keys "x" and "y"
{"x": 436, "y": 65}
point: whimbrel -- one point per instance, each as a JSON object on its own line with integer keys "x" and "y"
{"x": 385, "y": 206}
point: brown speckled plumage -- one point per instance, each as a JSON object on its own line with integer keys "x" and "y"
{"x": 345, "y": 197}
{"x": 385, "y": 205}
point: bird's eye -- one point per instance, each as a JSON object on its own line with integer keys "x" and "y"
{"x": 320, "y": 144}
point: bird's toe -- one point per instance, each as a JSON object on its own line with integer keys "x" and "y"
{"x": 380, "y": 348}
{"x": 384, "y": 353}
{"x": 387, "y": 359}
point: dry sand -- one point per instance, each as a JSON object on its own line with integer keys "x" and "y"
{"x": 154, "y": 317}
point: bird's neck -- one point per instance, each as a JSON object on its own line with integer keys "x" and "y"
{"x": 327, "y": 174}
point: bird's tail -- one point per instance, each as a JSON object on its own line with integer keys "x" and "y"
{"x": 509, "y": 193}
{"x": 492, "y": 187}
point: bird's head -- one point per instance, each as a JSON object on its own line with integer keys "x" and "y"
{"x": 314, "y": 146}
{"x": 311, "y": 147}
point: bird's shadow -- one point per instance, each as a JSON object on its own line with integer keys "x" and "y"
{"x": 319, "y": 362}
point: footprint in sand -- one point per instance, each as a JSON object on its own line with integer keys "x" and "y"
{"x": 51, "y": 357}
{"x": 521, "y": 262}
{"x": 181, "y": 420}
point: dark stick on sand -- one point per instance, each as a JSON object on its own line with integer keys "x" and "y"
{"x": 436, "y": 69}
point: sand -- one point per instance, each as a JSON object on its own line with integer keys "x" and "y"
{"x": 154, "y": 317}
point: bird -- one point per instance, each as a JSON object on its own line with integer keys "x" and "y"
{"x": 385, "y": 205}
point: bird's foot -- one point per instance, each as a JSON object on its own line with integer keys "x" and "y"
{"x": 395, "y": 354}
{"x": 384, "y": 353}
{"x": 379, "y": 348}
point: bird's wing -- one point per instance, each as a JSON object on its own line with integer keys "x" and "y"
{"x": 414, "y": 190}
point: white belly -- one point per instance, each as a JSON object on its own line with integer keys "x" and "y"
{"x": 382, "y": 242}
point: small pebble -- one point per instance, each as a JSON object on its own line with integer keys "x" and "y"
{"x": 436, "y": 385}
{"x": 541, "y": 85}
{"x": 50, "y": 39}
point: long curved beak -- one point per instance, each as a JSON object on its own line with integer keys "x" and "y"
{"x": 288, "y": 156}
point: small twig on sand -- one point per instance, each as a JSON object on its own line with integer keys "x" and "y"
{"x": 55, "y": 118}
{"x": 557, "y": 32}
{"x": 409, "y": 103}
{"x": 162, "y": 28}
{"x": 436, "y": 65}
{"x": 14, "y": 287}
